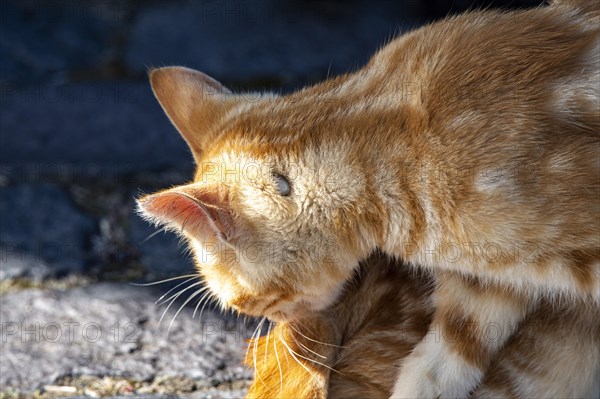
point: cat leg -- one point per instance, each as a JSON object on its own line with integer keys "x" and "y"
{"x": 554, "y": 354}
{"x": 471, "y": 323}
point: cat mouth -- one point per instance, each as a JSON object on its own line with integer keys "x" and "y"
{"x": 283, "y": 308}
{"x": 278, "y": 309}
{"x": 289, "y": 312}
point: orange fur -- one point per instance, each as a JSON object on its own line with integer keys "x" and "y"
{"x": 381, "y": 317}
{"x": 469, "y": 147}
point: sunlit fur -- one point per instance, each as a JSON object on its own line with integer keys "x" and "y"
{"x": 354, "y": 348}
{"x": 469, "y": 147}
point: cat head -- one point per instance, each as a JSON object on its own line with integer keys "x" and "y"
{"x": 274, "y": 214}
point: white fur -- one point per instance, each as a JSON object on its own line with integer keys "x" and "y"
{"x": 431, "y": 371}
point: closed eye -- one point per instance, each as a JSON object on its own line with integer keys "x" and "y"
{"x": 283, "y": 185}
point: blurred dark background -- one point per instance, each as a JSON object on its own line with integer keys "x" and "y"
{"x": 81, "y": 136}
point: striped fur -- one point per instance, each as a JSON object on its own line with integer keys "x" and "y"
{"x": 386, "y": 311}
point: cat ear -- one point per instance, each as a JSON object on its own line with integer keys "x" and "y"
{"x": 193, "y": 101}
{"x": 201, "y": 211}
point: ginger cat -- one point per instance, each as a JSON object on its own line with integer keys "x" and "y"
{"x": 469, "y": 147}
{"x": 385, "y": 312}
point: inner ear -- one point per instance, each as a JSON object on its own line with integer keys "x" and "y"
{"x": 193, "y": 101}
{"x": 201, "y": 212}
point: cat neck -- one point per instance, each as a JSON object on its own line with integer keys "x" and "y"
{"x": 418, "y": 199}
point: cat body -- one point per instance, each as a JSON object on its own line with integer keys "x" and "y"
{"x": 469, "y": 147}
{"x": 354, "y": 348}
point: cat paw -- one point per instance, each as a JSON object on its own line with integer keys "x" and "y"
{"x": 416, "y": 384}
{"x": 432, "y": 371}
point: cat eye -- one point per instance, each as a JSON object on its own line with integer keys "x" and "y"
{"x": 283, "y": 185}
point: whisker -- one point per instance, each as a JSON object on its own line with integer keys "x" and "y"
{"x": 175, "y": 298}
{"x": 278, "y": 364}
{"x": 259, "y": 329}
{"x": 251, "y": 341}
{"x": 203, "y": 306}
{"x": 310, "y": 360}
{"x": 200, "y": 302}
{"x": 304, "y": 347}
{"x": 296, "y": 359}
{"x": 192, "y": 296}
{"x": 267, "y": 344}
{"x": 164, "y": 281}
{"x": 172, "y": 289}
{"x": 197, "y": 301}
{"x": 164, "y": 229}
{"x": 314, "y": 340}
{"x": 175, "y": 294}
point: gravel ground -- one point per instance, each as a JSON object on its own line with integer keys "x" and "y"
{"x": 107, "y": 338}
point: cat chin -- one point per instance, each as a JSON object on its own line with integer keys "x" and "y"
{"x": 306, "y": 306}
{"x": 293, "y": 313}
{"x": 301, "y": 307}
